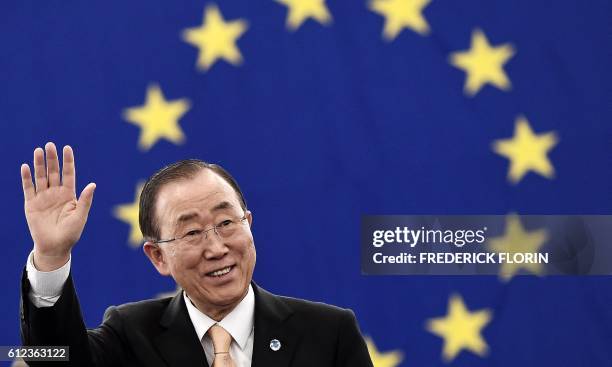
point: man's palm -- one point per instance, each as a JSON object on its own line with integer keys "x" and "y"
{"x": 55, "y": 218}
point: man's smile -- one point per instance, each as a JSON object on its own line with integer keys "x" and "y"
{"x": 220, "y": 272}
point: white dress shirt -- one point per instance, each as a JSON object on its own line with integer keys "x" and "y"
{"x": 46, "y": 288}
{"x": 239, "y": 323}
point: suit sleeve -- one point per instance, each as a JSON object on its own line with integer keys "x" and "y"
{"x": 352, "y": 349}
{"x": 62, "y": 325}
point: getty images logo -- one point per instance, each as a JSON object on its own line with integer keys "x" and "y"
{"x": 411, "y": 237}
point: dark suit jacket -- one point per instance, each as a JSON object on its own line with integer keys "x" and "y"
{"x": 159, "y": 332}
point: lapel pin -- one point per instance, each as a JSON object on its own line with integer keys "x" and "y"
{"x": 275, "y": 345}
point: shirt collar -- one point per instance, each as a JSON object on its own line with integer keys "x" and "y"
{"x": 239, "y": 322}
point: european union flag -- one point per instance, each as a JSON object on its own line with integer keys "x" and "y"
{"x": 326, "y": 111}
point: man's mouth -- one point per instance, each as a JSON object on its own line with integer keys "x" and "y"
{"x": 220, "y": 272}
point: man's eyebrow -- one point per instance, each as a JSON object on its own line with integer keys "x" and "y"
{"x": 222, "y": 205}
{"x": 186, "y": 217}
{"x": 191, "y": 215}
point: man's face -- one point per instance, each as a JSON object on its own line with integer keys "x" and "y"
{"x": 196, "y": 204}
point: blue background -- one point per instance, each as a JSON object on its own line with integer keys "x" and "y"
{"x": 320, "y": 126}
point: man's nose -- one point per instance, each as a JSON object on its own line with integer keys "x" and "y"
{"x": 215, "y": 247}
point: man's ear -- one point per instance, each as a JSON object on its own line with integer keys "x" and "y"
{"x": 157, "y": 256}
{"x": 249, "y": 217}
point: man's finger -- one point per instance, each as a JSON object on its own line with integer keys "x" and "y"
{"x": 40, "y": 172}
{"x": 52, "y": 164}
{"x": 68, "y": 173}
{"x": 26, "y": 181}
{"x": 86, "y": 198}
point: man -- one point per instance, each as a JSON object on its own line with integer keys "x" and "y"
{"x": 196, "y": 224}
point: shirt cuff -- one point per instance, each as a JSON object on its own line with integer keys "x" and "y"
{"x": 46, "y": 286}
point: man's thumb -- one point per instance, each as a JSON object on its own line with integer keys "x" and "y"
{"x": 86, "y": 198}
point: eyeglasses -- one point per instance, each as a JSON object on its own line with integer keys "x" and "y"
{"x": 193, "y": 237}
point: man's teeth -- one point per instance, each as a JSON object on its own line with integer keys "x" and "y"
{"x": 218, "y": 273}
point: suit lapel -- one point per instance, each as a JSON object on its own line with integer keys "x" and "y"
{"x": 271, "y": 314}
{"x": 178, "y": 343}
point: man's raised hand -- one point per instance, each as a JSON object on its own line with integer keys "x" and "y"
{"x": 55, "y": 217}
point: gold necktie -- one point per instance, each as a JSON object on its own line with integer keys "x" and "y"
{"x": 221, "y": 340}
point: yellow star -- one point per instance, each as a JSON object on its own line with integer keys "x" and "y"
{"x": 516, "y": 240}
{"x": 386, "y": 359}
{"x": 157, "y": 118}
{"x": 400, "y": 14}
{"x": 129, "y": 214}
{"x": 460, "y": 329}
{"x": 483, "y": 64}
{"x": 216, "y": 38}
{"x": 527, "y": 151}
{"x": 300, "y": 10}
